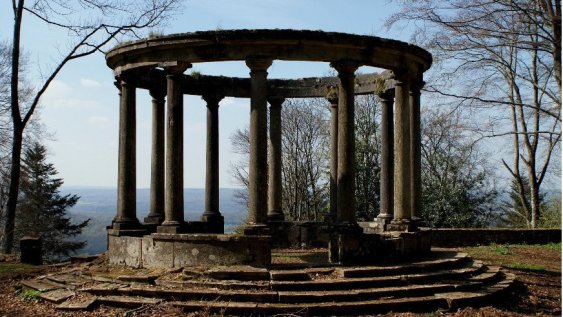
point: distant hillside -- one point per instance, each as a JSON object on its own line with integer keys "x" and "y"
{"x": 99, "y": 204}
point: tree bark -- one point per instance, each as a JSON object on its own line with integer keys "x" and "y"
{"x": 17, "y": 135}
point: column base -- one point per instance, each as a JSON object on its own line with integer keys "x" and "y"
{"x": 172, "y": 227}
{"x": 276, "y": 216}
{"x": 343, "y": 236}
{"x": 153, "y": 220}
{"x": 213, "y": 222}
{"x": 406, "y": 225}
{"x": 257, "y": 230}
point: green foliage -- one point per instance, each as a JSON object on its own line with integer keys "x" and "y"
{"x": 501, "y": 249}
{"x": 31, "y": 295}
{"x": 368, "y": 156}
{"x": 457, "y": 187}
{"x": 42, "y": 209}
{"x": 551, "y": 215}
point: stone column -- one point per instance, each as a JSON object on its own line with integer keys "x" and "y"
{"x": 386, "y": 174}
{"x": 402, "y": 179}
{"x": 332, "y": 98}
{"x": 416, "y": 182}
{"x": 174, "y": 170}
{"x": 346, "y": 211}
{"x": 257, "y": 165}
{"x": 126, "y": 217}
{"x": 156, "y": 206}
{"x": 212, "y": 215}
{"x": 275, "y": 212}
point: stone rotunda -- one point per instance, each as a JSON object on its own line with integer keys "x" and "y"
{"x": 385, "y": 265}
{"x": 158, "y": 64}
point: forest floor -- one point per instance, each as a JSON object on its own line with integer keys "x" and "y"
{"x": 537, "y": 291}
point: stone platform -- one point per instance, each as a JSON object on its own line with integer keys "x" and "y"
{"x": 167, "y": 250}
{"x": 443, "y": 280}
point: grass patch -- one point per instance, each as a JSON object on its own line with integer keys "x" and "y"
{"x": 31, "y": 295}
{"x": 500, "y": 249}
{"x": 525, "y": 266}
{"x": 14, "y": 267}
{"x": 551, "y": 246}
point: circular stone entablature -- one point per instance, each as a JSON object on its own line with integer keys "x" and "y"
{"x": 145, "y": 56}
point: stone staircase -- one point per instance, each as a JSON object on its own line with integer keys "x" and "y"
{"x": 446, "y": 280}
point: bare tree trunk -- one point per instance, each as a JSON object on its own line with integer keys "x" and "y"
{"x": 17, "y": 135}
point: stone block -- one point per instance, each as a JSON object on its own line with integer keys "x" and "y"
{"x": 157, "y": 253}
{"x": 31, "y": 250}
{"x": 125, "y": 251}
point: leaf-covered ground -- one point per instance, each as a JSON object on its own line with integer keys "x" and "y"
{"x": 536, "y": 293}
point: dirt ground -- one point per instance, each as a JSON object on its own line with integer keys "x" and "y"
{"x": 537, "y": 291}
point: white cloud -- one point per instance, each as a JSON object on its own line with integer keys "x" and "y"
{"x": 85, "y": 82}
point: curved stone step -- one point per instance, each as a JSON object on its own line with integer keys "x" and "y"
{"x": 317, "y": 309}
{"x": 381, "y": 281}
{"x": 449, "y": 300}
{"x": 221, "y": 284}
{"x": 446, "y": 260}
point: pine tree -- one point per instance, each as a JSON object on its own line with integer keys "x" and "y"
{"x": 517, "y": 213}
{"x": 43, "y": 210}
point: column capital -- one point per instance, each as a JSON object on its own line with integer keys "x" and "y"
{"x": 157, "y": 93}
{"x": 276, "y": 101}
{"x": 258, "y": 64}
{"x": 175, "y": 68}
{"x": 388, "y": 94}
{"x": 332, "y": 96}
{"x": 345, "y": 66}
{"x": 415, "y": 86}
{"x": 212, "y": 98}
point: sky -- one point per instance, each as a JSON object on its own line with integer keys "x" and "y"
{"x": 80, "y": 108}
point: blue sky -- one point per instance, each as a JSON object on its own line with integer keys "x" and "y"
{"x": 80, "y": 108}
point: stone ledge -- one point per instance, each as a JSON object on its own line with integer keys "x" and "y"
{"x": 201, "y": 237}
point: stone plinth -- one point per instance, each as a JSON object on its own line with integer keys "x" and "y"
{"x": 31, "y": 250}
{"x": 352, "y": 248}
{"x": 162, "y": 250}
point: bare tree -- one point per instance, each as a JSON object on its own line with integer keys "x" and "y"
{"x": 501, "y": 59}
{"x": 304, "y": 156}
{"x": 368, "y": 154}
{"x": 91, "y": 25}
{"x": 305, "y": 139}
{"x": 458, "y": 188}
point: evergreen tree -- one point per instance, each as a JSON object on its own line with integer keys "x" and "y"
{"x": 43, "y": 210}
{"x": 517, "y": 210}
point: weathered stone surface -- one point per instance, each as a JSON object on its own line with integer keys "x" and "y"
{"x": 157, "y": 254}
{"x": 125, "y": 251}
{"x": 57, "y": 296}
{"x": 127, "y": 301}
{"x": 246, "y": 273}
{"x": 41, "y": 286}
{"x": 80, "y": 304}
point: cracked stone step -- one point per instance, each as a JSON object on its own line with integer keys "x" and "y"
{"x": 381, "y": 281}
{"x": 365, "y": 294}
{"x": 195, "y": 294}
{"x": 127, "y": 301}
{"x": 323, "y": 308}
{"x": 42, "y": 286}
{"x": 240, "y": 272}
{"x": 78, "y": 304}
{"x": 224, "y": 284}
{"x": 143, "y": 279}
{"x": 289, "y": 275}
{"x": 57, "y": 296}
{"x": 448, "y": 260}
